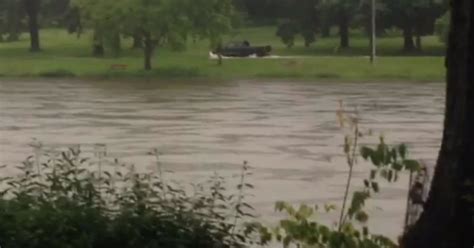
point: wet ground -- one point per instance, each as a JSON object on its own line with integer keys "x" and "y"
{"x": 287, "y": 131}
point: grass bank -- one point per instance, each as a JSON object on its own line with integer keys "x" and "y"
{"x": 66, "y": 55}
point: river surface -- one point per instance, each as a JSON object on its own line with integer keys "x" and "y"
{"x": 287, "y": 131}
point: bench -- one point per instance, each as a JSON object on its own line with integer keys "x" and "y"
{"x": 118, "y": 67}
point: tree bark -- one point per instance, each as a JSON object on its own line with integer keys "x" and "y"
{"x": 137, "y": 41}
{"x": 448, "y": 217}
{"x": 408, "y": 43}
{"x": 344, "y": 32}
{"x": 148, "y": 50}
{"x": 325, "y": 31}
{"x": 98, "y": 44}
{"x": 419, "y": 30}
{"x": 32, "y": 10}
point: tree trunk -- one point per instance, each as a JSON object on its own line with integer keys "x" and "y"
{"x": 418, "y": 37}
{"x": 98, "y": 44}
{"x": 137, "y": 41}
{"x": 448, "y": 217}
{"x": 148, "y": 50}
{"x": 116, "y": 44}
{"x": 408, "y": 43}
{"x": 326, "y": 31}
{"x": 32, "y": 10}
{"x": 344, "y": 32}
{"x": 219, "y": 53}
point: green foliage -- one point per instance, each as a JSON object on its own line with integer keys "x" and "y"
{"x": 65, "y": 202}
{"x": 442, "y": 27}
{"x": 301, "y": 227}
{"x": 11, "y": 16}
{"x": 159, "y": 22}
{"x": 65, "y": 51}
{"x": 287, "y": 32}
{"x": 302, "y": 19}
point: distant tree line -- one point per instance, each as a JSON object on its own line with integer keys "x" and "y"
{"x": 312, "y": 18}
{"x": 154, "y": 23}
{"x": 151, "y": 23}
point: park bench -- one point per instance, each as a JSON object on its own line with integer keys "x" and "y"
{"x": 118, "y": 67}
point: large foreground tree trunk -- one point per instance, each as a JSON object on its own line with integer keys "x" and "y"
{"x": 408, "y": 43}
{"x": 448, "y": 217}
{"x": 32, "y": 10}
{"x": 344, "y": 32}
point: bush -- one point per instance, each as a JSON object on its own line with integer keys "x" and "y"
{"x": 63, "y": 203}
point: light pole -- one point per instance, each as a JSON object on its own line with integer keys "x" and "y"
{"x": 373, "y": 45}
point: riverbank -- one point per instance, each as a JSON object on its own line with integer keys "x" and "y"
{"x": 66, "y": 55}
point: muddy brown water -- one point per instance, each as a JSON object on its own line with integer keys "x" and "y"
{"x": 287, "y": 131}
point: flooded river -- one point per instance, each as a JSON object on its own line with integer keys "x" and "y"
{"x": 287, "y": 131}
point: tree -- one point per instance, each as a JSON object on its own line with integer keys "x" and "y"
{"x": 344, "y": 12}
{"x": 442, "y": 27}
{"x": 32, "y": 8}
{"x": 10, "y": 20}
{"x": 158, "y": 22}
{"x": 211, "y": 19}
{"x": 301, "y": 19}
{"x": 415, "y": 18}
{"x": 106, "y": 18}
{"x": 448, "y": 217}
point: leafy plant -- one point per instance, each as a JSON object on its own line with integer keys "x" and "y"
{"x": 74, "y": 201}
{"x": 300, "y": 227}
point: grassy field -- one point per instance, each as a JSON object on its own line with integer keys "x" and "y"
{"x": 65, "y": 54}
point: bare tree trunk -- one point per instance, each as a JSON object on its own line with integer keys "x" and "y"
{"x": 418, "y": 37}
{"x": 448, "y": 217}
{"x": 408, "y": 43}
{"x": 344, "y": 32}
{"x": 137, "y": 40}
{"x": 32, "y": 10}
{"x": 148, "y": 50}
{"x": 98, "y": 44}
{"x": 325, "y": 30}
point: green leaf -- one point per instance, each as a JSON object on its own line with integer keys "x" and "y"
{"x": 397, "y": 166}
{"x": 390, "y": 175}
{"x": 366, "y": 152}
{"x": 286, "y": 241}
{"x": 375, "y": 187}
{"x": 411, "y": 165}
{"x": 402, "y": 150}
{"x": 375, "y": 158}
{"x": 373, "y": 173}
{"x": 365, "y": 231}
{"x": 304, "y": 212}
{"x": 366, "y": 183}
{"x": 361, "y": 216}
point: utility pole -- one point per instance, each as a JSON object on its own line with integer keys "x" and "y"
{"x": 373, "y": 45}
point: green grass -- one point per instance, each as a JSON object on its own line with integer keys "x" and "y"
{"x": 66, "y": 55}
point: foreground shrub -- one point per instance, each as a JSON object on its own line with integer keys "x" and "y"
{"x": 70, "y": 201}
